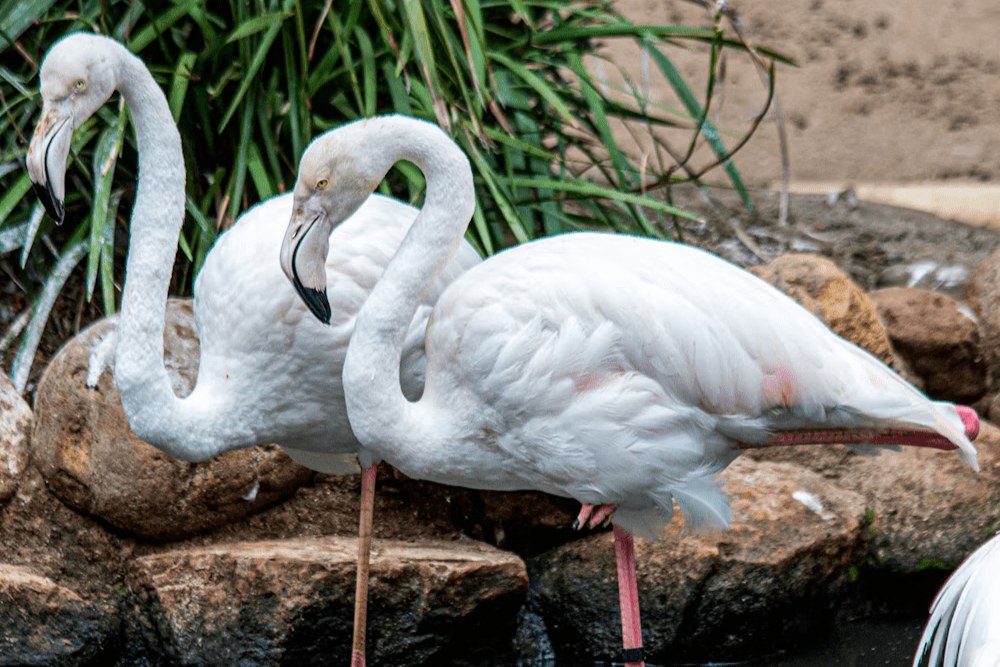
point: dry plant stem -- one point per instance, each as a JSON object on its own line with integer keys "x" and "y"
{"x": 364, "y": 558}
{"x": 767, "y": 76}
{"x": 319, "y": 26}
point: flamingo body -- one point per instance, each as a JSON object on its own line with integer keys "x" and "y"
{"x": 964, "y": 625}
{"x": 256, "y": 334}
{"x": 258, "y": 381}
{"x": 611, "y": 369}
{"x": 625, "y": 371}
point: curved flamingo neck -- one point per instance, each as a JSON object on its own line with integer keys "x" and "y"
{"x": 154, "y": 412}
{"x": 381, "y": 417}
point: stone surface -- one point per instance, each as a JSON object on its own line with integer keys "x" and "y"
{"x": 15, "y": 431}
{"x": 92, "y": 461}
{"x": 928, "y": 507}
{"x": 939, "y": 338}
{"x": 527, "y": 522}
{"x": 830, "y": 294}
{"x": 291, "y": 602}
{"x": 43, "y": 623}
{"x": 984, "y": 295}
{"x": 779, "y": 569}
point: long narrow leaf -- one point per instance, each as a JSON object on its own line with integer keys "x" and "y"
{"x": 21, "y": 367}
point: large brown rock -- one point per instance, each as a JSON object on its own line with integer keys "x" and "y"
{"x": 830, "y": 294}
{"x": 291, "y": 602}
{"x": 984, "y": 295}
{"x": 927, "y": 506}
{"x": 15, "y": 429}
{"x": 939, "y": 339}
{"x": 91, "y": 460}
{"x": 718, "y": 595}
{"x": 43, "y": 623}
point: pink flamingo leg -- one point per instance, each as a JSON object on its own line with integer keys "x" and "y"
{"x": 628, "y": 595}
{"x": 364, "y": 557}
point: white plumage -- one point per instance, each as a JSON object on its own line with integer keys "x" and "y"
{"x": 259, "y": 378}
{"x": 631, "y": 381}
{"x": 606, "y": 368}
{"x": 964, "y": 625}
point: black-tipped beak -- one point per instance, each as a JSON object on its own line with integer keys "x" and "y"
{"x": 46, "y": 161}
{"x": 53, "y": 205}
{"x": 316, "y": 300}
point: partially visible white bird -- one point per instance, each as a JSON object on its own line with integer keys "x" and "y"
{"x": 615, "y": 370}
{"x": 964, "y": 625}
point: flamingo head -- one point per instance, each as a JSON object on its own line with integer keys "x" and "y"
{"x": 77, "y": 77}
{"x": 337, "y": 173}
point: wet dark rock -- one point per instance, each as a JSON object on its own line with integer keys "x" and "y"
{"x": 15, "y": 430}
{"x": 291, "y": 602}
{"x": 526, "y": 522}
{"x": 724, "y": 594}
{"x": 939, "y": 337}
{"x": 43, "y": 623}
{"x": 92, "y": 462}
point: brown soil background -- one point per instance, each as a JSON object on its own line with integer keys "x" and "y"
{"x": 883, "y": 92}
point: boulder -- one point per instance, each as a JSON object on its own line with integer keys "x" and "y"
{"x": 43, "y": 623}
{"x": 984, "y": 295}
{"x": 830, "y": 294}
{"x": 92, "y": 462}
{"x": 928, "y": 508}
{"x": 291, "y": 602}
{"x": 527, "y": 522}
{"x": 15, "y": 428}
{"x": 721, "y": 595}
{"x": 939, "y": 339}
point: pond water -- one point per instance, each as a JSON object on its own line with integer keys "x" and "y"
{"x": 861, "y": 643}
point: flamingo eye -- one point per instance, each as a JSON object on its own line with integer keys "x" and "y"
{"x": 322, "y": 183}
{"x": 79, "y": 85}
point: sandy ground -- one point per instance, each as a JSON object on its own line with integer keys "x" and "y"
{"x": 884, "y": 93}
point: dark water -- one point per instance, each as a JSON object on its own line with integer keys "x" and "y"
{"x": 862, "y": 643}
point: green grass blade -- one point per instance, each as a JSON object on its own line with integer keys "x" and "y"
{"x": 13, "y": 196}
{"x": 19, "y": 16}
{"x": 179, "y": 83}
{"x": 260, "y": 54}
{"x": 588, "y": 189}
{"x": 257, "y": 24}
{"x": 25, "y": 357}
{"x": 109, "y": 145}
{"x": 694, "y": 108}
{"x": 144, "y": 37}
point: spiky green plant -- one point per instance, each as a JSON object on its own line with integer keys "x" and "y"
{"x": 250, "y": 84}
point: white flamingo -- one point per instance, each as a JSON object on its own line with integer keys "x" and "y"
{"x": 258, "y": 378}
{"x": 619, "y": 371}
{"x": 964, "y": 625}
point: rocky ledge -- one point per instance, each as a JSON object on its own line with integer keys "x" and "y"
{"x": 112, "y": 553}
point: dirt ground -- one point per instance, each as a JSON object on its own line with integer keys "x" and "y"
{"x": 883, "y": 92}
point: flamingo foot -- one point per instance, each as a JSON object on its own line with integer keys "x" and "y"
{"x": 628, "y": 599}
{"x": 594, "y": 516}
